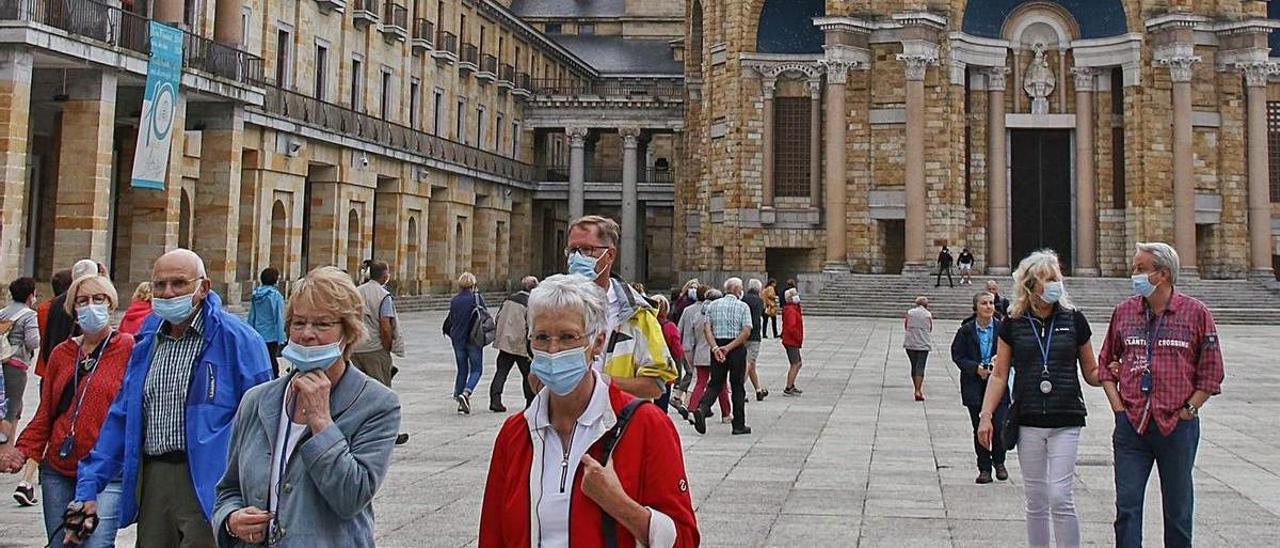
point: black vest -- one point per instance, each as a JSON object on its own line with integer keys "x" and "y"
{"x": 1064, "y": 351}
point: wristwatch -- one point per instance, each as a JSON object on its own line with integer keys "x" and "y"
{"x": 1192, "y": 409}
{"x": 984, "y": 415}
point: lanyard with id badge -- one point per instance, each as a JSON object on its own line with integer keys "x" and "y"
{"x": 68, "y": 442}
{"x": 1145, "y": 359}
{"x": 1045, "y": 343}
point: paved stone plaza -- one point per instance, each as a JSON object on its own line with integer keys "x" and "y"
{"x": 854, "y": 462}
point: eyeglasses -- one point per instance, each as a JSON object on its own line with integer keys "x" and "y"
{"x": 85, "y": 300}
{"x": 593, "y": 251}
{"x": 321, "y": 326}
{"x": 543, "y": 341}
{"x": 178, "y": 286}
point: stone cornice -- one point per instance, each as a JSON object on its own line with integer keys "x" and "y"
{"x": 921, "y": 19}
{"x": 1176, "y": 20}
{"x": 847, "y": 24}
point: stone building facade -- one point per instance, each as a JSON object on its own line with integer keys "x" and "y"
{"x": 318, "y": 132}
{"x": 828, "y": 136}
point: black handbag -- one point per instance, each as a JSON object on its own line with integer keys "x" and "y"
{"x": 608, "y": 526}
{"x": 1009, "y": 428}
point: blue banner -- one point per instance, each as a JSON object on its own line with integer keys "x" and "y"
{"x": 159, "y": 105}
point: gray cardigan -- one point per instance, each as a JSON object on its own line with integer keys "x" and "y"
{"x": 328, "y": 486}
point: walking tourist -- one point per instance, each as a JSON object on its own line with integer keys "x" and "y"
{"x": 60, "y": 282}
{"x": 974, "y": 350}
{"x": 467, "y": 354}
{"x": 729, "y": 328}
{"x": 167, "y": 433}
{"x": 617, "y": 478}
{"x": 687, "y": 296}
{"x": 756, "y": 305}
{"x": 317, "y": 441}
{"x": 697, "y": 352}
{"x": 512, "y": 342}
{"x": 771, "y": 308}
{"x": 1001, "y": 303}
{"x": 19, "y": 344}
{"x": 792, "y": 338}
{"x": 671, "y": 335}
{"x": 1164, "y": 346}
{"x": 918, "y": 341}
{"x": 965, "y": 263}
{"x": 372, "y": 353}
{"x": 60, "y": 325}
{"x": 944, "y": 266}
{"x": 266, "y": 315}
{"x": 83, "y": 376}
{"x": 139, "y": 309}
{"x": 1043, "y": 340}
{"x": 635, "y": 359}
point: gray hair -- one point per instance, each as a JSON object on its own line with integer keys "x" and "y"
{"x": 564, "y": 292}
{"x": 713, "y": 294}
{"x": 1165, "y": 258}
{"x": 754, "y": 285}
{"x": 529, "y": 282}
{"x": 1039, "y": 265}
{"x": 978, "y": 297}
{"x": 790, "y": 294}
{"x": 732, "y": 284}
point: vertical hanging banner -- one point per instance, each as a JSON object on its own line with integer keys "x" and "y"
{"x": 159, "y": 101}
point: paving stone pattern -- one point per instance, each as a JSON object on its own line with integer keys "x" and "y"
{"x": 853, "y": 462}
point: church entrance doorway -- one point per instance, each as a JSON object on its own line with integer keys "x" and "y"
{"x": 1040, "y": 193}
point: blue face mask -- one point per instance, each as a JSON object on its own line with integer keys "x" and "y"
{"x": 311, "y": 358}
{"x": 1053, "y": 292}
{"x": 693, "y": 294}
{"x": 562, "y": 371}
{"x": 174, "y": 310}
{"x": 1142, "y": 285}
{"x": 583, "y": 265}
{"x": 92, "y": 317}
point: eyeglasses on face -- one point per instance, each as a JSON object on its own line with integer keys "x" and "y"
{"x": 178, "y": 286}
{"x": 320, "y": 326}
{"x": 542, "y": 341}
{"x": 593, "y": 251}
{"x": 85, "y": 300}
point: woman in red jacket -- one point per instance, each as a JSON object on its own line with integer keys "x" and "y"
{"x": 139, "y": 309}
{"x": 546, "y": 484}
{"x": 792, "y": 338}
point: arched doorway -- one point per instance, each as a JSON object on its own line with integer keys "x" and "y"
{"x": 411, "y": 262}
{"x": 184, "y": 220}
{"x": 279, "y": 240}
{"x": 353, "y": 245}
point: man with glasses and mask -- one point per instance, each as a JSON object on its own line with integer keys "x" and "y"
{"x": 636, "y": 358}
{"x": 169, "y": 427}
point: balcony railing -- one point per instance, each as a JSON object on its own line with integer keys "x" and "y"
{"x": 560, "y": 174}
{"x": 506, "y": 77}
{"x": 395, "y": 21}
{"x": 113, "y": 26}
{"x": 446, "y": 47}
{"x": 488, "y": 68}
{"x": 524, "y": 84}
{"x": 468, "y": 57}
{"x": 365, "y": 12}
{"x": 341, "y": 120}
{"x": 424, "y": 32}
{"x": 633, "y": 88}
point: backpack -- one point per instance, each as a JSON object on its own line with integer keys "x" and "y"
{"x": 7, "y": 349}
{"x": 484, "y": 329}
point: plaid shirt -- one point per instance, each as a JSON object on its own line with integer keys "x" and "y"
{"x": 1187, "y": 357}
{"x": 164, "y": 402}
{"x": 728, "y": 316}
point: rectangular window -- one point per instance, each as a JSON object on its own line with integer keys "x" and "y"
{"x": 1273, "y": 147}
{"x": 415, "y": 103}
{"x": 189, "y": 16}
{"x": 791, "y": 146}
{"x": 384, "y": 96}
{"x": 586, "y": 28}
{"x": 497, "y": 133}
{"x": 437, "y": 113}
{"x": 460, "y": 132}
{"x": 462, "y": 27}
{"x": 482, "y": 120}
{"x": 515, "y": 139}
{"x": 481, "y": 45}
{"x": 516, "y": 63}
{"x": 1117, "y": 140}
{"x": 553, "y": 28}
{"x": 283, "y": 62}
{"x": 322, "y": 71}
{"x": 357, "y": 85}
{"x": 246, "y": 16}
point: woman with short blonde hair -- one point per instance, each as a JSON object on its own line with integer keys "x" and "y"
{"x": 139, "y": 309}
{"x": 467, "y": 356}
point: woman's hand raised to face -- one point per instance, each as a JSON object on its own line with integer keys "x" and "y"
{"x": 311, "y": 393}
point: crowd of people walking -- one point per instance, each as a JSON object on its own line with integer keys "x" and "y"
{"x": 180, "y": 419}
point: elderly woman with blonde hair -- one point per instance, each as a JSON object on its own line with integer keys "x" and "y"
{"x": 467, "y": 355}
{"x": 139, "y": 309}
{"x": 327, "y": 429}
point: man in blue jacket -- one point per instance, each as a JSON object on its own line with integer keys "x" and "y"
{"x": 168, "y": 429}
{"x": 974, "y": 351}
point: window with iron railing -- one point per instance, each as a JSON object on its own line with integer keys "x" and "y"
{"x": 1273, "y": 146}
{"x": 447, "y": 41}
{"x": 791, "y": 146}
{"x": 424, "y": 30}
{"x": 469, "y": 54}
{"x": 489, "y": 63}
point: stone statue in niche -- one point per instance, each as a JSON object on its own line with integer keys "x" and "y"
{"x": 1039, "y": 81}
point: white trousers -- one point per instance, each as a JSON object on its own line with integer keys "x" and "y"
{"x": 1047, "y": 457}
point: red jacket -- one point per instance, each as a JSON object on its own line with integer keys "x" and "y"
{"x": 647, "y": 459}
{"x": 792, "y": 325}
{"x": 134, "y": 316}
{"x": 43, "y": 436}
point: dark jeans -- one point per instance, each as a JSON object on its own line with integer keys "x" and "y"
{"x": 918, "y": 360}
{"x": 996, "y": 454}
{"x": 505, "y": 361}
{"x": 1175, "y": 455}
{"x": 948, "y": 272}
{"x": 735, "y": 368}
{"x": 273, "y": 352}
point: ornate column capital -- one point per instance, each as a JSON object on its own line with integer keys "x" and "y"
{"x": 1085, "y": 78}
{"x": 1181, "y": 67}
{"x": 577, "y": 136}
{"x": 1256, "y": 74}
{"x": 837, "y": 70}
{"x": 769, "y": 86}
{"x": 630, "y": 136}
{"x": 917, "y": 64}
{"x": 996, "y": 77}
{"x": 815, "y": 88}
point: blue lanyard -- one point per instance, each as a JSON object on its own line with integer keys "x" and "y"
{"x": 1044, "y": 343}
{"x": 986, "y": 342}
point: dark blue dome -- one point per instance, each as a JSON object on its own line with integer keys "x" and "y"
{"x": 786, "y": 26}
{"x": 1097, "y": 18}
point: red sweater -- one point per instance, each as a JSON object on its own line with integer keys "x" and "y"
{"x": 672, "y": 335}
{"x": 43, "y": 436}
{"x": 134, "y": 316}
{"x": 792, "y": 325}
{"x": 647, "y": 459}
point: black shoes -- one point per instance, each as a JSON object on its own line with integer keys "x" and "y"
{"x": 699, "y": 421}
{"x": 402, "y": 439}
{"x": 25, "y": 494}
{"x": 1002, "y": 473}
{"x": 497, "y": 408}
{"x": 984, "y": 477}
{"x": 792, "y": 391}
{"x": 742, "y": 431}
{"x": 761, "y": 394}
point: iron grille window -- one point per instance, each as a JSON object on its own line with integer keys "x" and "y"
{"x": 791, "y": 146}
{"x": 1273, "y": 147}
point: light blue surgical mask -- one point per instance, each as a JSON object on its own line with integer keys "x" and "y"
{"x": 693, "y": 294}
{"x": 92, "y": 317}
{"x": 1053, "y": 292}
{"x": 1142, "y": 285}
{"x": 174, "y": 310}
{"x": 583, "y": 265}
{"x": 562, "y": 371}
{"x": 311, "y": 358}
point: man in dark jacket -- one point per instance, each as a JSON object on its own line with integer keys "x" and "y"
{"x": 1002, "y": 304}
{"x": 973, "y": 350}
{"x": 944, "y": 265}
{"x": 512, "y": 342}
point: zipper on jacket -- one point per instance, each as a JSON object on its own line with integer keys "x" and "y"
{"x": 564, "y": 460}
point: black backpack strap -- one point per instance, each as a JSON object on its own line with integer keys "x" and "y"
{"x": 610, "y": 440}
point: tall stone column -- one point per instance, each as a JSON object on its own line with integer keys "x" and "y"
{"x": 837, "y": 259}
{"x": 1260, "y": 250}
{"x": 770, "y": 85}
{"x": 577, "y": 171}
{"x": 815, "y": 142}
{"x": 216, "y": 224}
{"x": 15, "y": 120}
{"x": 917, "y": 206}
{"x": 1086, "y": 190}
{"x": 1181, "y": 70}
{"x": 171, "y": 11}
{"x": 630, "y": 204}
{"x": 228, "y": 28}
{"x": 997, "y": 185}
{"x": 82, "y": 220}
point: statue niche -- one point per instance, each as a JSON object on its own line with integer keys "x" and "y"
{"x": 1039, "y": 81}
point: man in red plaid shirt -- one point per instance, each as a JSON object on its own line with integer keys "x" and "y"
{"x": 1164, "y": 363}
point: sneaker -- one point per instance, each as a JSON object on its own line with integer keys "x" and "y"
{"x": 684, "y": 411}
{"x": 742, "y": 431}
{"x": 25, "y": 494}
{"x": 790, "y": 391}
{"x": 464, "y": 403}
{"x": 1002, "y": 473}
{"x": 984, "y": 477}
{"x": 797, "y": 390}
{"x": 402, "y": 439}
{"x": 699, "y": 421}
{"x": 458, "y": 399}
{"x": 497, "y": 408}
{"x": 762, "y": 394}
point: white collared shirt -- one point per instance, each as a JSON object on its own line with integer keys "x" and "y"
{"x": 614, "y": 318}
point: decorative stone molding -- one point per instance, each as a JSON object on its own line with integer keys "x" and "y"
{"x": 577, "y": 136}
{"x": 996, "y": 78}
{"x": 769, "y": 86}
{"x": 1257, "y": 74}
{"x": 630, "y": 136}
{"x": 1085, "y": 78}
{"x": 837, "y": 70}
{"x": 815, "y": 88}
{"x": 771, "y": 71}
{"x": 1181, "y": 68}
{"x": 916, "y": 65}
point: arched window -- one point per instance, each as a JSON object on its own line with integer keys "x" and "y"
{"x": 694, "y": 50}
{"x": 786, "y": 26}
